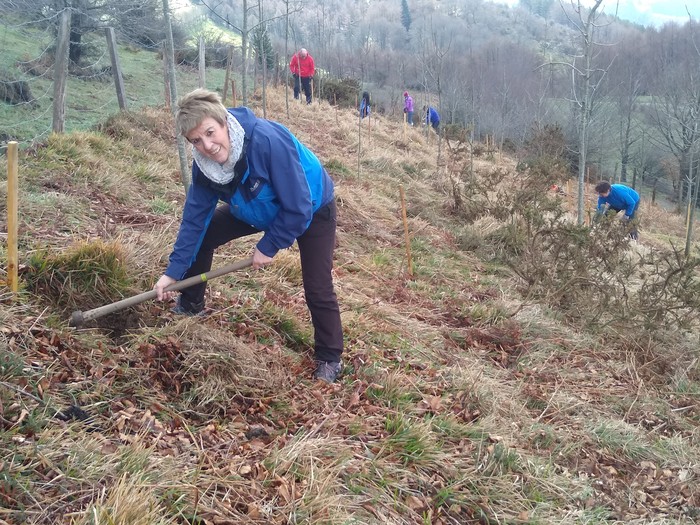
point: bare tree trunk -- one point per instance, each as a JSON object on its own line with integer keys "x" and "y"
{"x": 166, "y": 73}
{"x": 263, "y": 58}
{"x": 184, "y": 165}
{"x": 585, "y": 102}
{"x": 694, "y": 178}
{"x": 244, "y": 53}
{"x": 693, "y": 202}
{"x": 286, "y": 54}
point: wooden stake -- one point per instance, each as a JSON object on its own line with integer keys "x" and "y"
{"x": 369, "y": 129}
{"x": 409, "y": 261}
{"x": 60, "y": 78}
{"x": 116, "y": 68}
{"x": 202, "y": 63}
{"x": 166, "y": 78}
{"x": 229, "y": 62}
{"x": 12, "y": 262}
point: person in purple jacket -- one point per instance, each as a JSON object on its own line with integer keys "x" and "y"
{"x": 269, "y": 182}
{"x": 408, "y": 107}
{"x": 618, "y": 197}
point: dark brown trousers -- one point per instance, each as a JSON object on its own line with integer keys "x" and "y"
{"x": 316, "y": 246}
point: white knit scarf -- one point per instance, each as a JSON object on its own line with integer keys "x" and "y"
{"x": 223, "y": 173}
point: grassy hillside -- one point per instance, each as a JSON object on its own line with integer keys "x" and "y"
{"x": 472, "y": 392}
{"x": 90, "y": 92}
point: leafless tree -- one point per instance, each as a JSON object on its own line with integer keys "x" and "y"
{"x": 586, "y": 78}
{"x": 676, "y": 101}
{"x": 220, "y": 11}
{"x": 693, "y": 176}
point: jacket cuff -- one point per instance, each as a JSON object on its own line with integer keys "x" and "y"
{"x": 173, "y": 274}
{"x": 266, "y": 247}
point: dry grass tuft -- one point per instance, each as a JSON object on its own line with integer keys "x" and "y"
{"x": 129, "y": 501}
{"x": 220, "y": 365}
{"x": 311, "y": 469}
{"x": 87, "y": 274}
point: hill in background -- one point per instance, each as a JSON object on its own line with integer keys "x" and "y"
{"x": 521, "y": 374}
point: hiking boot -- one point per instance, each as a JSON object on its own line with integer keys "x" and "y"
{"x": 190, "y": 310}
{"x": 328, "y": 371}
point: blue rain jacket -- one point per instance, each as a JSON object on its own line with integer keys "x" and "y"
{"x": 281, "y": 188}
{"x": 621, "y": 197}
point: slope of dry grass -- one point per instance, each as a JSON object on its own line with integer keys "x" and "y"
{"x": 450, "y": 410}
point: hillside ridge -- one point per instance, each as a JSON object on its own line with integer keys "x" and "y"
{"x": 462, "y": 401}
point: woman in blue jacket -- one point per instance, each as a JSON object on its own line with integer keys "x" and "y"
{"x": 267, "y": 182}
{"x": 618, "y": 197}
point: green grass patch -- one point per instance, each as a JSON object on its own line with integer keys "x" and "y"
{"x": 89, "y": 100}
{"x": 388, "y": 390}
{"x": 337, "y": 167}
{"x": 501, "y": 460}
{"x": 622, "y": 441}
{"x": 160, "y": 206}
{"x": 288, "y": 328}
{"x": 411, "y": 442}
{"x": 449, "y": 428}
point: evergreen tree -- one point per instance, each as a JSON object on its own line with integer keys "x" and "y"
{"x": 405, "y": 15}
{"x": 538, "y": 7}
{"x": 263, "y": 47}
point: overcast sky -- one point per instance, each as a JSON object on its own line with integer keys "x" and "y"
{"x": 647, "y": 12}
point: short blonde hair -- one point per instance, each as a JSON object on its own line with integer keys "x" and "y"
{"x": 197, "y": 105}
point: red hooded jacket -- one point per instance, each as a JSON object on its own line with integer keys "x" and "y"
{"x": 304, "y": 67}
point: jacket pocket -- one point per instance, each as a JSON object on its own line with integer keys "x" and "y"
{"x": 255, "y": 205}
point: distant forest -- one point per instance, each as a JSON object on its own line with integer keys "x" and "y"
{"x": 505, "y": 72}
{"x": 508, "y": 72}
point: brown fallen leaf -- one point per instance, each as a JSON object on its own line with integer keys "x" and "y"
{"x": 415, "y": 503}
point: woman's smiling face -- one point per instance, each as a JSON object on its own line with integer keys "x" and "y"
{"x": 211, "y": 139}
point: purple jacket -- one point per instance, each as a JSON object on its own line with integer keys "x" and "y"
{"x": 408, "y": 103}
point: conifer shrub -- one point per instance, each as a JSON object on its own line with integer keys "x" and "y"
{"x": 343, "y": 92}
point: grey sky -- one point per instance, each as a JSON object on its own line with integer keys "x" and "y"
{"x": 646, "y": 12}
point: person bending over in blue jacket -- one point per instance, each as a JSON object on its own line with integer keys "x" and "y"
{"x": 618, "y": 197}
{"x": 267, "y": 181}
{"x": 432, "y": 117}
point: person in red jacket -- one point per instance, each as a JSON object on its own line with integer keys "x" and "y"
{"x": 303, "y": 69}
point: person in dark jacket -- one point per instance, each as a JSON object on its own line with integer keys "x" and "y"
{"x": 432, "y": 117}
{"x": 618, "y": 197}
{"x": 365, "y": 105}
{"x": 267, "y": 182}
